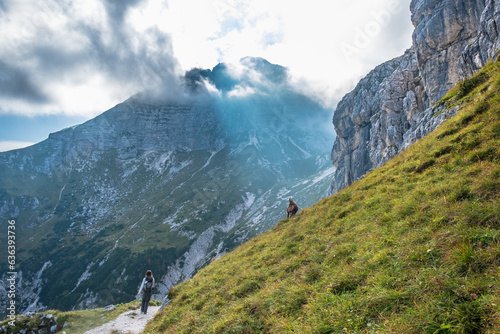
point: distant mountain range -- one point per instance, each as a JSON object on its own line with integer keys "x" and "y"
{"x": 167, "y": 180}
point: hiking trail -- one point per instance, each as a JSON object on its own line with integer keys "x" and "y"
{"x": 130, "y": 322}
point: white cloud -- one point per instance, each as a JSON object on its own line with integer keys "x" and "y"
{"x": 77, "y": 58}
{"x": 83, "y": 57}
{"x": 13, "y": 145}
{"x": 240, "y": 91}
{"x": 308, "y": 38}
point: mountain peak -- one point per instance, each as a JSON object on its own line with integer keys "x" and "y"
{"x": 248, "y": 72}
{"x": 176, "y": 175}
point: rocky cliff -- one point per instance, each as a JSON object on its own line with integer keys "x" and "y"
{"x": 486, "y": 45}
{"x": 442, "y": 30}
{"x": 371, "y": 120}
{"x": 395, "y": 104}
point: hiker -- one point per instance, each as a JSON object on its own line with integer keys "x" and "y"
{"x": 147, "y": 286}
{"x": 292, "y": 208}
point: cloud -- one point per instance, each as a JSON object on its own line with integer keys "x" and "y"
{"x": 13, "y": 145}
{"x": 15, "y": 83}
{"x": 307, "y": 39}
{"x": 83, "y": 57}
{"x": 78, "y": 57}
{"x": 117, "y": 9}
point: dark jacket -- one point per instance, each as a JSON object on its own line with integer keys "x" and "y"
{"x": 146, "y": 279}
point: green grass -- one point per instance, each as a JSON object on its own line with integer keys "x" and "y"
{"x": 81, "y": 321}
{"x": 413, "y": 247}
{"x": 77, "y": 322}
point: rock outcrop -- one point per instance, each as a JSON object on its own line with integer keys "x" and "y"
{"x": 487, "y": 44}
{"x": 138, "y": 125}
{"x": 35, "y": 323}
{"x": 442, "y": 30}
{"x": 371, "y": 120}
{"x": 395, "y": 104}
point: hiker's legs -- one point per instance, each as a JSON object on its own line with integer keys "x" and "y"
{"x": 145, "y": 302}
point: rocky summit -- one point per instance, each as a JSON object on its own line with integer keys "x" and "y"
{"x": 163, "y": 181}
{"x": 396, "y": 103}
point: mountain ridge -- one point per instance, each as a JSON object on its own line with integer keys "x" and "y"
{"x": 160, "y": 182}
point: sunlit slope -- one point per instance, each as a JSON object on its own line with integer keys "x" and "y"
{"x": 413, "y": 247}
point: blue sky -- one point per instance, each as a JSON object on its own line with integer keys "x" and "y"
{"x": 63, "y": 62}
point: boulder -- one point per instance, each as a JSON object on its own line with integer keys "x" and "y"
{"x": 109, "y": 308}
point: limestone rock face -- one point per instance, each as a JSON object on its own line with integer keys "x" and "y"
{"x": 136, "y": 125}
{"x": 393, "y": 106}
{"x": 442, "y": 30}
{"x": 485, "y": 46}
{"x": 372, "y": 120}
{"x": 401, "y": 96}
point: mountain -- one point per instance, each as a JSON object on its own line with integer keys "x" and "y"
{"x": 396, "y": 103}
{"x": 411, "y": 247}
{"x": 168, "y": 180}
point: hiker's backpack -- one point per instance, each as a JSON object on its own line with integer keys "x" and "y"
{"x": 148, "y": 286}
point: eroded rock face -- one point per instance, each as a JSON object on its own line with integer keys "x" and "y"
{"x": 401, "y": 96}
{"x": 485, "y": 46}
{"x": 372, "y": 120}
{"x": 442, "y": 30}
{"x": 392, "y": 106}
{"x": 136, "y": 125}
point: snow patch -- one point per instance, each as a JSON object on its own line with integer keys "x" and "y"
{"x": 306, "y": 154}
{"x": 248, "y": 200}
{"x": 86, "y": 274}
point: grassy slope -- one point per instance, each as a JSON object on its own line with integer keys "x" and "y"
{"x": 413, "y": 247}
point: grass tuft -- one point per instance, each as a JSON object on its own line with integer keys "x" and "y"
{"x": 470, "y": 84}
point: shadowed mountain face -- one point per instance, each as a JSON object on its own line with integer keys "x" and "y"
{"x": 167, "y": 180}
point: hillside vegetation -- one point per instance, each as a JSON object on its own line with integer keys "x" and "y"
{"x": 413, "y": 247}
{"x": 72, "y": 322}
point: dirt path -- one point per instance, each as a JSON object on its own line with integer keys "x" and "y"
{"x": 130, "y": 322}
